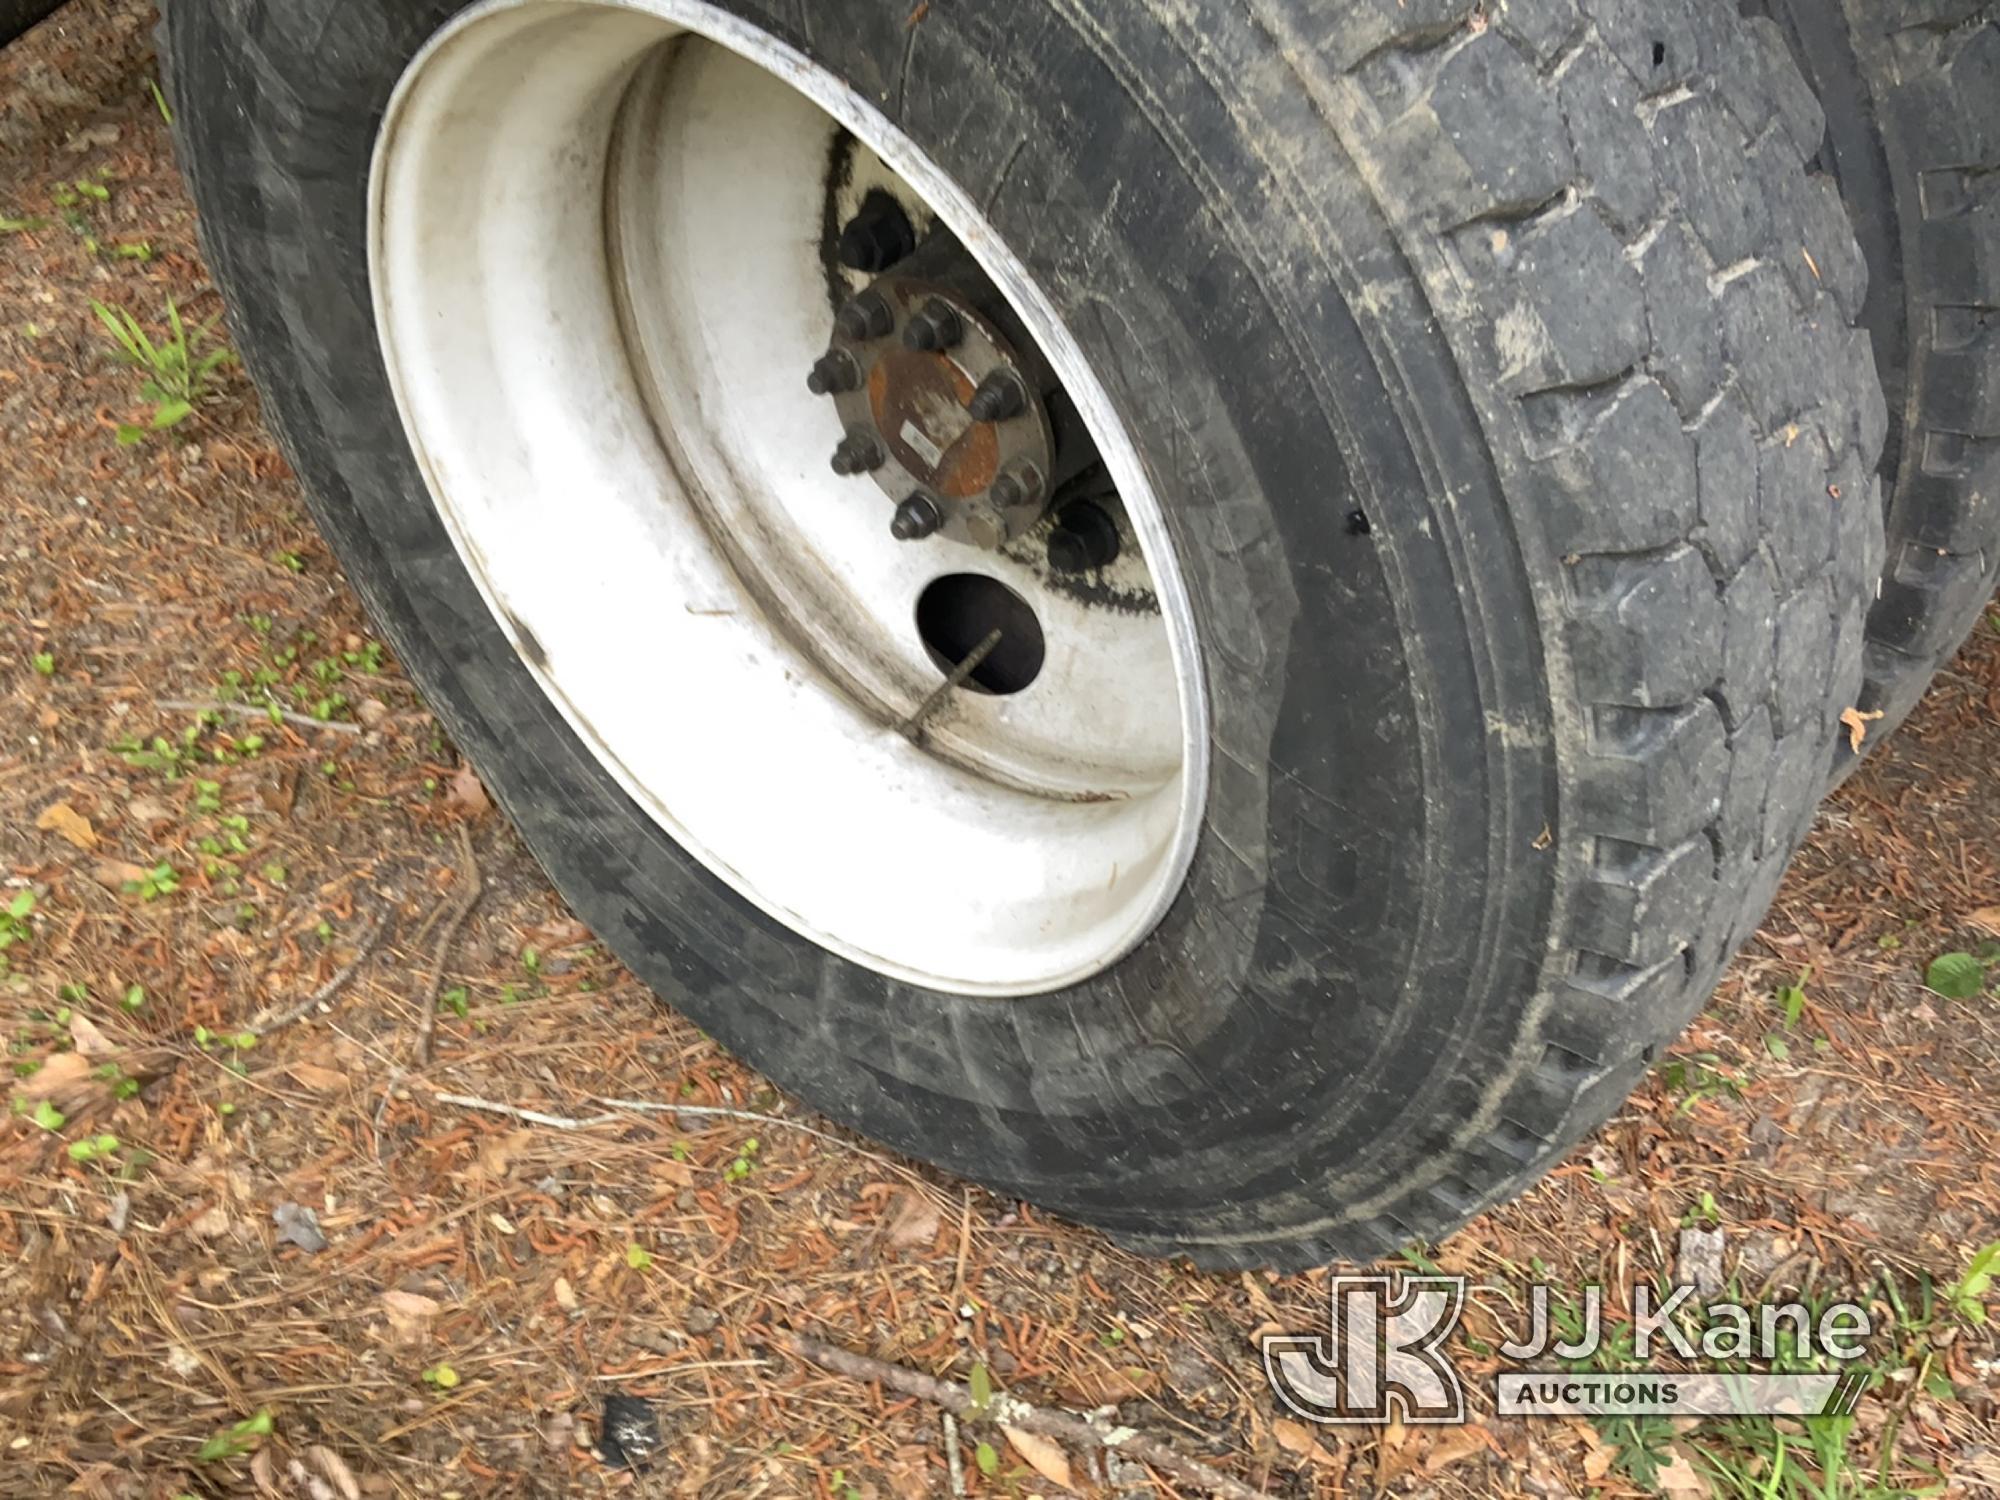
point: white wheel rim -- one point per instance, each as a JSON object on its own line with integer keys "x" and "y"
{"x": 603, "y": 387}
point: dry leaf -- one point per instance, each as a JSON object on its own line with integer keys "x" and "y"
{"x": 496, "y": 1156}
{"x": 1677, "y": 1477}
{"x": 1454, "y": 1446}
{"x": 1598, "y": 1455}
{"x": 117, "y": 873}
{"x": 910, "y": 1472}
{"x": 1986, "y": 919}
{"x": 320, "y": 1080}
{"x": 89, "y": 1040}
{"x": 468, "y": 793}
{"x": 58, "y": 1075}
{"x": 1091, "y": 1385}
{"x": 1857, "y": 726}
{"x": 566, "y": 1295}
{"x": 1392, "y": 1454}
{"x": 62, "y": 819}
{"x": 211, "y": 1223}
{"x": 410, "y": 1315}
{"x": 1041, "y": 1455}
{"x": 561, "y": 932}
{"x": 1296, "y": 1438}
{"x": 334, "y": 1467}
{"x": 1260, "y": 1301}
{"x": 915, "y": 1221}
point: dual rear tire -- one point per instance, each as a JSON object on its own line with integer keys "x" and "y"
{"x": 1493, "y": 375}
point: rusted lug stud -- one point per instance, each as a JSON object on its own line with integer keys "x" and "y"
{"x": 1084, "y": 538}
{"x": 876, "y": 237}
{"x": 998, "y": 397}
{"x": 984, "y": 527}
{"x": 916, "y": 518}
{"x": 858, "y": 453}
{"x": 1018, "y": 484}
{"x": 832, "y": 372}
{"x": 934, "y": 326}
{"x": 865, "y": 315}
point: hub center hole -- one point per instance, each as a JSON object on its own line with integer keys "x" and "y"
{"x": 957, "y": 612}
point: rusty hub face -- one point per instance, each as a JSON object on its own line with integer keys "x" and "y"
{"x": 940, "y": 411}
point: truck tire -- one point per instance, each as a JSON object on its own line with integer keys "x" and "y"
{"x": 1501, "y": 470}
{"x": 17, "y": 16}
{"x": 1912, "y": 98}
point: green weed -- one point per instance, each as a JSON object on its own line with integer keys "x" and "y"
{"x": 235, "y": 1441}
{"x": 178, "y": 373}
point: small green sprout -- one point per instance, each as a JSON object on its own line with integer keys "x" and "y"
{"x": 744, "y": 1163}
{"x": 1968, "y": 1294}
{"x": 161, "y": 880}
{"x": 15, "y": 926}
{"x": 234, "y": 1442}
{"x": 94, "y": 1149}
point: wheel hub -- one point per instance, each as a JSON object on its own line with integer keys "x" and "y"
{"x": 943, "y": 404}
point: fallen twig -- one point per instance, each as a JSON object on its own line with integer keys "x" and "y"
{"x": 470, "y": 888}
{"x": 640, "y": 1106}
{"x": 265, "y": 1025}
{"x": 252, "y": 711}
{"x": 954, "y": 1461}
{"x": 1010, "y": 1411}
{"x": 722, "y": 1112}
{"x": 531, "y": 1116}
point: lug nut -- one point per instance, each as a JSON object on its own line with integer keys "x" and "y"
{"x": 999, "y": 397}
{"x": 1084, "y": 538}
{"x": 916, "y": 518}
{"x": 858, "y": 453}
{"x": 1018, "y": 484}
{"x": 866, "y": 315}
{"x": 984, "y": 526}
{"x": 877, "y": 236}
{"x": 934, "y": 326}
{"x": 833, "y": 371}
